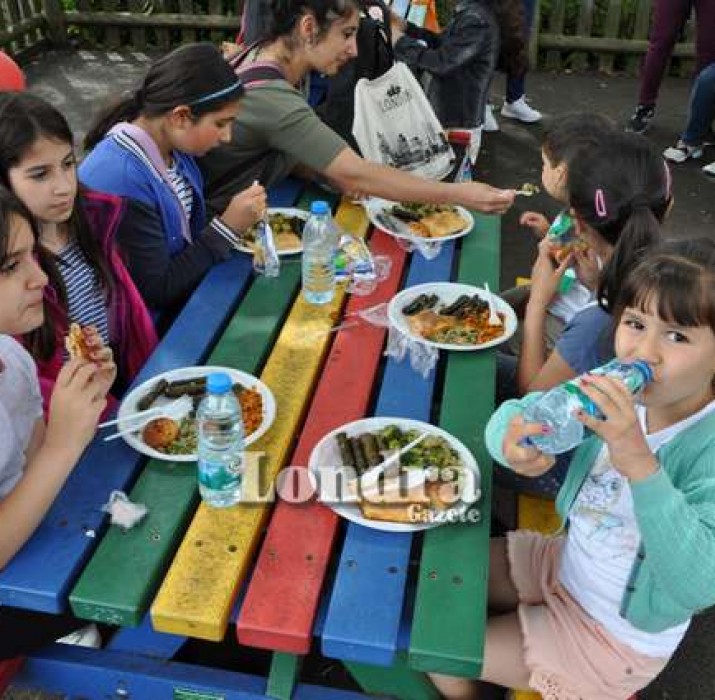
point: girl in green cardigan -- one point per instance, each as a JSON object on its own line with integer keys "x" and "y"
{"x": 595, "y": 611}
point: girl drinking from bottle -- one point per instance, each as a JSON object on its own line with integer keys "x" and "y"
{"x": 35, "y": 460}
{"x": 88, "y": 282}
{"x": 143, "y": 149}
{"x": 595, "y": 611}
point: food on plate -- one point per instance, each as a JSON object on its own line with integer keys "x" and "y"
{"x": 389, "y": 499}
{"x": 181, "y": 439}
{"x": 76, "y": 342}
{"x": 160, "y": 433}
{"x": 287, "y": 231}
{"x": 430, "y": 220}
{"x": 463, "y": 322}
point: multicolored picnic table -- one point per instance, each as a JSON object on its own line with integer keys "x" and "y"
{"x": 286, "y": 577}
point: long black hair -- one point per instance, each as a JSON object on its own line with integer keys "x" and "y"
{"x": 194, "y": 75}
{"x": 622, "y": 192}
{"x": 11, "y": 207}
{"x": 285, "y": 15}
{"x": 25, "y": 118}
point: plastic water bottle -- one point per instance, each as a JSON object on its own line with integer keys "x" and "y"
{"x": 319, "y": 243}
{"x": 556, "y": 407}
{"x": 220, "y": 448}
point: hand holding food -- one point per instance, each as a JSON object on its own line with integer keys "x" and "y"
{"x": 546, "y": 274}
{"x": 245, "y": 208}
{"x": 484, "y": 198}
{"x": 77, "y": 402}
{"x": 85, "y": 343}
{"x": 522, "y": 458}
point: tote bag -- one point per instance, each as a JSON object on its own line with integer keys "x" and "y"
{"x": 395, "y": 125}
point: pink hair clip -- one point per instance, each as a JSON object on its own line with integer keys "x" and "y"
{"x": 600, "y": 204}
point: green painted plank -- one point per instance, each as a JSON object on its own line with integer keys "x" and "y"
{"x": 450, "y": 606}
{"x": 282, "y": 676}
{"x": 110, "y": 589}
{"x": 396, "y": 681}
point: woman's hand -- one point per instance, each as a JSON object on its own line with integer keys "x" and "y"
{"x": 78, "y": 400}
{"x": 587, "y": 267}
{"x": 483, "y": 197}
{"x": 523, "y": 459}
{"x": 546, "y": 274}
{"x": 245, "y": 208}
{"x": 619, "y": 429}
{"x": 537, "y": 222}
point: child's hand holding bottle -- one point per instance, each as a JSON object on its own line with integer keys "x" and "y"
{"x": 619, "y": 429}
{"x": 523, "y": 458}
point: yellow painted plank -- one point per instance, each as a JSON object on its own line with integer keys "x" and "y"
{"x": 537, "y": 513}
{"x": 198, "y": 591}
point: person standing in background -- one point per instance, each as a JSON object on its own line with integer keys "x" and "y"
{"x": 515, "y": 105}
{"x": 669, "y": 17}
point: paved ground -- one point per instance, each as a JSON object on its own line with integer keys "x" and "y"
{"x": 79, "y": 83}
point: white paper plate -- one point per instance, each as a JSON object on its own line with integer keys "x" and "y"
{"x": 376, "y": 206}
{"x": 448, "y": 292}
{"x": 129, "y": 406}
{"x": 326, "y": 456}
{"x": 286, "y": 211}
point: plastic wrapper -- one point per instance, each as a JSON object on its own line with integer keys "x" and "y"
{"x": 265, "y": 256}
{"x": 355, "y": 265}
{"x": 427, "y": 248}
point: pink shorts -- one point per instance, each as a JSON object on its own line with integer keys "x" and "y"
{"x": 570, "y": 656}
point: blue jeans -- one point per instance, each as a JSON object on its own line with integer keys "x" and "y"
{"x": 702, "y": 107}
{"x": 515, "y": 83}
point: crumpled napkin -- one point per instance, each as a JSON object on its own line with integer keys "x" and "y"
{"x": 122, "y": 511}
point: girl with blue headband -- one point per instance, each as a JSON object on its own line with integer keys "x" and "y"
{"x": 143, "y": 149}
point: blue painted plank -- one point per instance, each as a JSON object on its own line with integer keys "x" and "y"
{"x": 40, "y": 576}
{"x": 363, "y": 619}
{"x": 75, "y": 671}
{"x": 146, "y": 641}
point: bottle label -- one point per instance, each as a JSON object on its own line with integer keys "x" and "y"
{"x": 586, "y": 404}
{"x": 219, "y": 476}
{"x": 629, "y": 374}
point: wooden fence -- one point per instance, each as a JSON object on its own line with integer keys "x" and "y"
{"x": 572, "y": 33}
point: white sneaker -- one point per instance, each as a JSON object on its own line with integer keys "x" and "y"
{"x": 520, "y": 110}
{"x": 490, "y": 122}
{"x": 681, "y": 152}
{"x": 709, "y": 169}
{"x": 86, "y": 637}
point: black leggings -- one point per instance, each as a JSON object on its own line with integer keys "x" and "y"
{"x": 25, "y": 631}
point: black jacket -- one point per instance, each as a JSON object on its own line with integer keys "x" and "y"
{"x": 456, "y": 66}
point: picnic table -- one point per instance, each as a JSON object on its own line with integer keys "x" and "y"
{"x": 284, "y": 577}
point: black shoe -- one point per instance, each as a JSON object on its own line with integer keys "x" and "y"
{"x": 641, "y": 118}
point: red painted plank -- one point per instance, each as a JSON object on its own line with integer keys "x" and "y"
{"x": 8, "y": 669}
{"x": 283, "y": 595}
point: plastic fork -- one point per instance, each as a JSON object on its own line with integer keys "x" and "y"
{"x": 494, "y": 319}
{"x": 415, "y": 477}
{"x": 176, "y": 410}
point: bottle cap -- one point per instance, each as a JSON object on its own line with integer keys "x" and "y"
{"x": 645, "y": 369}
{"x": 218, "y": 383}
{"x": 319, "y": 207}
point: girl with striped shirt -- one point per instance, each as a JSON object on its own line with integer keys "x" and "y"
{"x": 143, "y": 149}
{"x": 89, "y": 283}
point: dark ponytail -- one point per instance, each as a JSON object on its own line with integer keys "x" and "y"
{"x": 622, "y": 193}
{"x": 285, "y": 14}
{"x": 194, "y": 75}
